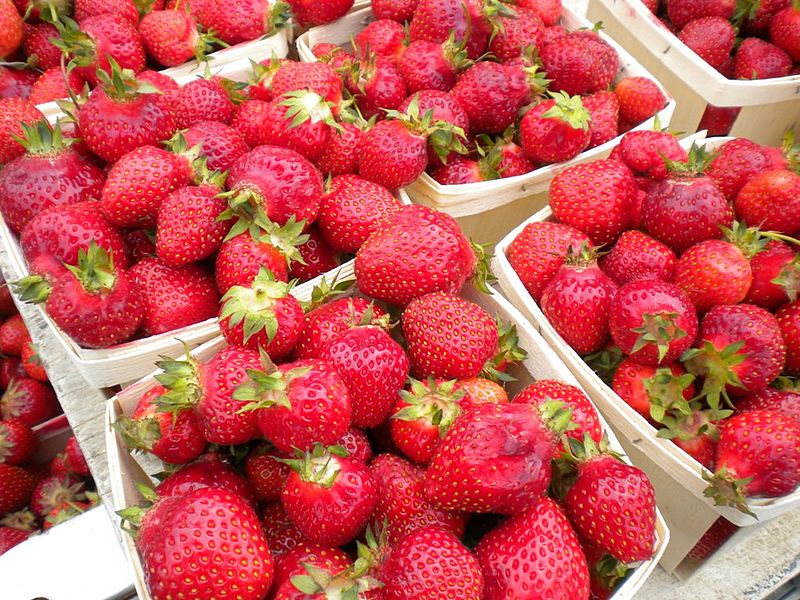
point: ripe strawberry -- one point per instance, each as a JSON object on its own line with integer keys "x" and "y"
{"x": 295, "y": 563}
{"x": 16, "y": 487}
{"x": 430, "y": 563}
{"x": 720, "y": 532}
{"x": 719, "y": 120}
{"x": 328, "y": 496}
{"x": 265, "y": 474}
{"x": 460, "y": 170}
{"x": 436, "y": 20}
{"x": 639, "y": 99}
{"x": 282, "y": 535}
{"x": 126, "y": 9}
{"x": 18, "y": 442}
{"x": 428, "y": 65}
{"x": 173, "y": 437}
{"x": 603, "y": 110}
{"x": 318, "y": 257}
{"x": 637, "y": 256}
{"x": 51, "y": 492}
{"x": 377, "y": 86}
{"x": 580, "y": 283}
{"x": 174, "y": 297}
{"x": 324, "y": 324}
{"x": 757, "y": 59}
{"x": 789, "y": 321}
{"x": 584, "y": 415}
{"x": 17, "y": 83}
{"x": 680, "y": 12}
{"x": 445, "y": 108}
{"x": 711, "y": 38}
{"x": 382, "y": 37}
{"x": 783, "y": 31}
{"x": 245, "y": 568}
{"x": 555, "y": 130}
{"x": 207, "y": 472}
{"x": 317, "y": 77}
{"x": 14, "y": 112}
{"x": 517, "y": 31}
{"x": 140, "y": 244}
{"x": 95, "y": 303}
{"x": 389, "y": 265}
{"x": 357, "y": 444}
{"x": 171, "y": 37}
{"x": 644, "y": 151}
{"x": 341, "y": 155}
{"x": 491, "y": 94}
{"x": 755, "y": 203}
{"x": 11, "y": 26}
{"x": 397, "y": 10}
{"x": 517, "y": 555}
{"x": 712, "y": 273}
{"x": 262, "y": 316}
{"x": 278, "y": 181}
{"x": 739, "y": 160}
{"x": 51, "y": 86}
{"x": 261, "y": 76}
{"x": 247, "y": 119}
{"x": 333, "y": 55}
{"x": 642, "y": 386}
{"x": 595, "y": 198}
{"x": 11, "y": 537}
{"x": 204, "y": 99}
{"x": 786, "y": 402}
{"x": 479, "y": 390}
{"x": 39, "y": 48}
{"x": 244, "y": 21}
{"x": 74, "y": 458}
{"x": 301, "y": 121}
{"x": 13, "y": 336}
{"x": 776, "y": 276}
{"x": 573, "y": 63}
{"x": 297, "y": 404}
{"x": 32, "y": 363}
{"x": 758, "y": 454}
{"x": 29, "y": 400}
{"x": 496, "y": 458}
{"x": 311, "y": 13}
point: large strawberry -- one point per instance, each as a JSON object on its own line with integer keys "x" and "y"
{"x": 14, "y": 111}
{"x": 436, "y": 20}
{"x": 517, "y": 556}
{"x": 48, "y": 174}
{"x": 326, "y": 323}
{"x": 555, "y": 130}
{"x": 396, "y": 264}
{"x": 428, "y": 65}
{"x": 496, "y": 458}
{"x": 579, "y": 63}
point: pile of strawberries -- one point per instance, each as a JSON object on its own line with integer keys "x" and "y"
{"x": 37, "y": 36}
{"x": 508, "y": 89}
{"x": 344, "y": 454}
{"x": 691, "y": 313}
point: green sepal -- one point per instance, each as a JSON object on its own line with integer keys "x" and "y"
{"x": 570, "y": 110}
{"x": 41, "y": 139}
{"x": 557, "y": 416}
{"x": 436, "y": 403}
{"x": 508, "y": 353}
{"x": 32, "y": 289}
{"x": 483, "y": 277}
{"x": 253, "y": 305}
{"x": 95, "y": 269}
{"x": 138, "y": 434}
{"x": 659, "y": 329}
{"x": 726, "y": 490}
{"x": 699, "y": 159}
{"x": 789, "y": 278}
{"x": 324, "y": 292}
{"x": 605, "y": 362}
{"x": 715, "y": 367}
{"x": 305, "y": 105}
{"x": 665, "y": 392}
{"x": 278, "y": 18}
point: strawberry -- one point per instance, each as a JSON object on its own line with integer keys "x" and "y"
{"x": 294, "y": 563}
{"x": 319, "y": 258}
{"x": 39, "y": 48}
{"x": 207, "y": 472}
{"x": 755, "y": 203}
{"x": 121, "y": 105}
{"x": 517, "y": 30}
{"x": 639, "y": 99}
{"x": 603, "y": 108}
{"x": 644, "y": 151}
{"x": 245, "y": 567}
{"x": 517, "y": 555}
{"x": 496, "y": 458}
{"x": 140, "y": 244}
{"x": 783, "y": 31}
{"x": 16, "y": 487}
{"x": 776, "y": 276}
{"x": 63, "y": 513}
{"x": 246, "y": 20}
{"x": 460, "y": 170}
{"x": 341, "y": 154}
{"x": 74, "y": 458}
{"x": 311, "y": 13}
{"x": 757, "y": 59}
{"x": 297, "y": 404}
{"x": 711, "y": 38}
{"x": 11, "y": 368}
{"x": 712, "y": 273}
{"x": 261, "y": 76}
{"x": 174, "y": 297}
{"x": 491, "y": 94}
{"x": 11, "y": 26}
{"x": 584, "y": 415}
{"x": 14, "y": 112}
{"x": 739, "y": 160}
{"x": 276, "y": 181}
{"x": 32, "y": 401}
{"x": 17, "y": 83}
{"x": 265, "y": 473}
{"x": 430, "y": 563}
{"x": 333, "y": 55}
{"x": 357, "y": 444}
{"x": 18, "y": 442}
{"x": 32, "y": 363}
{"x": 377, "y": 85}
{"x": 324, "y": 324}
{"x": 595, "y": 198}
{"x": 171, "y": 37}
{"x": 94, "y": 302}
{"x": 301, "y": 121}
{"x": 204, "y": 100}
{"x": 436, "y": 20}
{"x": 13, "y": 336}
{"x": 638, "y": 256}
{"x": 126, "y": 9}
{"x": 262, "y": 316}
{"x": 510, "y": 157}
{"x": 758, "y": 454}
{"x": 26, "y": 182}
{"x": 174, "y": 438}
{"x": 382, "y": 37}
{"x": 720, "y": 532}
{"x": 739, "y": 350}
{"x": 52, "y": 491}
{"x": 641, "y": 386}
{"x": 283, "y": 535}
{"x": 317, "y": 77}
{"x": 428, "y": 65}
{"x": 580, "y": 283}
{"x": 9, "y": 536}
{"x": 573, "y": 64}
{"x": 786, "y": 402}
{"x": 681, "y": 12}
{"x": 789, "y": 321}
{"x": 247, "y": 119}
{"x": 479, "y": 390}
{"x": 754, "y": 17}
{"x": 445, "y": 108}
{"x": 51, "y": 85}
{"x": 625, "y": 490}
{"x": 397, "y": 10}
{"x": 372, "y": 392}
{"x": 390, "y": 266}
{"x": 555, "y": 130}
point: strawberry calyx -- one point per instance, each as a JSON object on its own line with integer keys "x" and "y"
{"x": 685, "y": 427}
{"x": 715, "y": 366}
{"x": 699, "y": 159}
{"x": 182, "y": 380}
{"x": 198, "y": 161}
{"x": 277, "y": 18}
{"x": 132, "y": 515}
{"x": 32, "y": 289}
{"x": 493, "y": 11}
{"x": 455, "y": 53}
{"x": 609, "y": 571}
{"x": 570, "y": 110}
{"x": 791, "y": 150}
{"x": 64, "y": 512}
{"x": 10, "y": 399}
{"x": 437, "y": 403}
{"x": 253, "y": 305}
{"x": 746, "y": 10}
{"x": 305, "y": 105}
{"x": 789, "y": 278}
{"x": 538, "y": 83}
{"x": 727, "y": 490}
{"x": 121, "y": 85}
{"x": 660, "y": 329}
{"x": 267, "y": 387}
{"x": 77, "y": 44}
{"x": 320, "y": 465}
{"x": 323, "y": 292}
{"x": 573, "y": 455}
{"x": 138, "y": 434}
{"x": 508, "y": 353}
{"x": 43, "y": 140}
{"x": 444, "y": 138}
{"x": 605, "y": 362}
{"x": 373, "y": 551}
{"x": 665, "y": 391}
{"x": 557, "y": 416}
{"x": 95, "y": 269}
{"x": 24, "y": 520}
{"x": 582, "y": 257}
{"x": 346, "y": 585}
{"x": 261, "y": 75}
{"x": 206, "y": 43}
{"x": 482, "y": 277}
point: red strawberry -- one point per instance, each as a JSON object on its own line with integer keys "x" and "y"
{"x": 783, "y": 31}
{"x": 17, "y": 83}
{"x": 261, "y": 76}
{"x": 207, "y": 472}
{"x": 140, "y": 244}
{"x": 310, "y": 13}
{"x": 643, "y": 152}
{"x": 479, "y": 390}
{"x": 319, "y": 258}
{"x": 738, "y": 161}
{"x": 786, "y": 402}
{"x": 720, "y": 532}
{"x": 11, "y": 26}
{"x": 297, "y": 404}
{"x": 283, "y": 536}
{"x": 711, "y": 38}
{"x": 95, "y": 303}
{"x": 516, "y": 556}
{"x": 595, "y": 198}
{"x": 301, "y": 121}
{"x": 220, "y": 144}
{"x": 637, "y": 256}
{"x": 15, "y": 112}
{"x": 757, "y": 59}
{"x": 436, "y": 20}
{"x": 13, "y": 336}
{"x": 333, "y": 55}
{"x": 430, "y": 563}
{"x": 173, "y": 437}
{"x": 555, "y": 130}
{"x": 428, "y": 65}
{"x": 517, "y": 31}
{"x": 74, "y": 458}
{"x": 776, "y": 276}
{"x": 397, "y": 10}
{"x": 382, "y": 37}
{"x": 639, "y": 99}
{"x": 714, "y": 272}
{"x": 377, "y": 85}
{"x": 574, "y": 63}
{"x": 18, "y": 442}
{"x": 402, "y": 505}
{"x": 789, "y": 321}
{"x": 262, "y": 316}
{"x": 295, "y": 562}
{"x": 317, "y": 77}
{"x": 718, "y": 120}
{"x": 118, "y": 107}
{"x": 265, "y": 474}
{"x": 447, "y": 336}
{"x": 577, "y": 302}
{"x": 39, "y": 48}
{"x": 247, "y": 119}
{"x": 16, "y": 487}
{"x": 204, "y": 100}
{"x": 445, "y": 108}
{"x": 357, "y": 444}
{"x": 126, "y": 9}
{"x": 680, "y": 12}
{"x": 641, "y": 386}
{"x": 245, "y": 567}
{"x": 171, "y": 37}
{"x": 32, "y": 401}
{"x": 756, "y": 201}
{"x": 758, "y": 454}
{"x": 329, "y": 497}
{"x": 11, "y": 368}
{"x": 460, "y": 170}
{"x": 32, "y": 363}
{"x": 584, "y": 414}
{"x": 245, "y": 20}
{"x": 51, "y": 85}
{"x": 11, "y": 537}
{"x": 341, "y": 155}
{"x": 496, "y": 458}
{"x": 603, "y": 110}
{"x": 324, "y": 324}
{"x": 174, "y": 297}
{"x": 389, "y": 265}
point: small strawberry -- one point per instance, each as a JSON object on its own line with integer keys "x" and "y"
{"x": 555, "y": 130}
{"x": 83, "y": 9}
{"x": 789, "y": 321}
{"x": 318, "y": 77}
{"x": 584, "y": 415}
{"x": 716, "y": 535}
{"x": 642, "y": 386}
{"x": 171, "y": 37}
{"x": 16, "y": 488}
{"x": 757, "y": 59}
{"x": 32, "y": 363}
{"x": 32, "y": 401}
{"x": 341, "y": 154}
{"x": 11, "y": 368}
{"x": 357, "y": 444}
{"x": 517, "y": 30}
{"x": 479, "y": 390}
{"x": 786, "y": 402}
{"x": 247, "y": 119}
{"x": 639, "y": 99}
{"x": 15, "y": 112}
{"x": 18, "y": 83}
{"x": 638, "y": 256}
{"x": 574, "y": 64}
{"x": 603, "y": 110}
{"x": 39, "y": 48}
{"x": 711, "y": 38}
{"x": 265, "y": 473}
{"x": 13, "y": 336}
{"x": 719, "y": 120}
{"x": 297, "y": 562}
{"x": 18, "y": 442}
{"x": 9, "y": 536}
{"x": 207, "y": 472}
{"x": 282, "y": 535}
{"x": 51, "y": 85}
{"x": 205, "y": 99}
{"x": 74, "y": 458}
{"x": 756, "y": 201}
